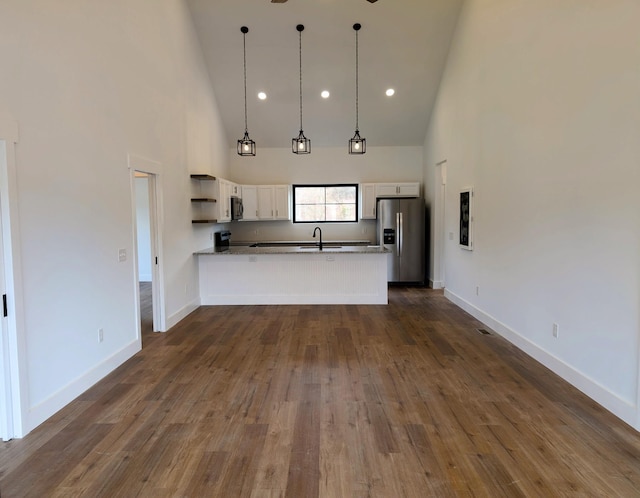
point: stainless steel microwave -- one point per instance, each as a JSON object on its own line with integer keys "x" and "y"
{"x": 236, "y": 208}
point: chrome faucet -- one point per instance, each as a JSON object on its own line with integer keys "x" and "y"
{"x": 314, "y": 236}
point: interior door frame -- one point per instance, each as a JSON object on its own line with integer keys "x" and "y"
{"x": 154, "y": 171}
{"x": 439, "y": 244}
{"x": 13, "y": 377}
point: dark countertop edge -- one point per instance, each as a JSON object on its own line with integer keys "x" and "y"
{"x": 285, "y": 243}
{"x": 245, "y": 250}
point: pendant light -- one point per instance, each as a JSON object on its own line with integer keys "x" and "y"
{"x": 357, "y": 145}
{"x": 246, "y": 146}
{"x": 300, "y": 144}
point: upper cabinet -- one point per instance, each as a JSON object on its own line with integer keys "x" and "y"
{"x": 250, "y": 202}
{"x": 368, "y": 201}
{"x": 226, "y": 190}
{"x": 370, "y": 192}
{"x": 266, "y": 202}
{"x": 397, "y": 190}
{"x": 282, "y": 202}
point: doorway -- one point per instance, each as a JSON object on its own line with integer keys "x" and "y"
{"x": 146, "y": 202}
{"x": 145, "y": 254}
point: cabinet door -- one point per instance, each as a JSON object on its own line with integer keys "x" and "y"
{"x": 235, "y": 190}
{"x": 386, "y": 190}
{"x": 409, "y": 189}
{"x": 250, "y": 202}
{"x": 397, "y": 189}
{"x": 265, "y": 202}
{"x": 368, "y": 201}
{"x": 281, "y": 195}
{"x": 224, "y": 200}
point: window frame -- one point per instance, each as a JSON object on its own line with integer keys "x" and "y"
{"x": 325, "y": 185}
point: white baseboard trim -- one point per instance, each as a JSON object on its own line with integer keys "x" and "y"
{"x": 47, "y": 408}
{"x": 436, "y": 284}
{"x": 619, "y": 407}
{"x": 268, "y": 299}
{"x": 182, "y": 313}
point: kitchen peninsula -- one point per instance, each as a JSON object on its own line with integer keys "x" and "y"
{"x": 285, "y": 274}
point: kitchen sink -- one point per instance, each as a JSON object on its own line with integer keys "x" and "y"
{"x": 316, "y": 248}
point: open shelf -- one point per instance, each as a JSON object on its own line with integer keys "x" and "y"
{"x": 202, "y": 199}
{"x": 204, "y": 221}
{"x": 202, "y": 177}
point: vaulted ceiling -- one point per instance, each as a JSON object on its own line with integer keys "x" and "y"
{"x": 403, "y": 44}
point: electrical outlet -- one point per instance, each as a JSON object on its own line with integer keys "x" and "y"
{"x": 477, "y": 290}
{"x": 450, "y": 235}
{"x": 100, "y": 335}
{"x": 555, "y": 330}
{"x": 122, "y": 255}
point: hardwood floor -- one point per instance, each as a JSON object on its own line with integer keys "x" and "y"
{"x": 404, "y": 400}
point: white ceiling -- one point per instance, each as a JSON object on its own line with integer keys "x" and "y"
{"x": 402, "y": 44}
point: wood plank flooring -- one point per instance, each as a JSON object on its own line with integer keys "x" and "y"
{"x": 404, "y": 400}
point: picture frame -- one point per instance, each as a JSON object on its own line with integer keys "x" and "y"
{"x": 466, "y": 219}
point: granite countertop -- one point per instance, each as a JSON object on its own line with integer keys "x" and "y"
{"x": 301, "y": 243}
{"x": 296, "y": 249}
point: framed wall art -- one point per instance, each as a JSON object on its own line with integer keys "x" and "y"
{"x": 466, "y": 218}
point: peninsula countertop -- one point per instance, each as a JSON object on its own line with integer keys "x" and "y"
{"x": 295, "y": 249}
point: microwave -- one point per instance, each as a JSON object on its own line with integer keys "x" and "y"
{"x": 236, "y": 208}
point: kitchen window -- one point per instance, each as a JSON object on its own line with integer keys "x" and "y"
{"x": 325, "y": 203}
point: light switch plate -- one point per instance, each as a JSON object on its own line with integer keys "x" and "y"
{"x": 122, "y": 255}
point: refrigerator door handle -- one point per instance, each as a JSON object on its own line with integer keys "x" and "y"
{"x": 400, "y": 233}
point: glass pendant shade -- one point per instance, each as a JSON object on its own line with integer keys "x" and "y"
{"x": 246, "y": 146}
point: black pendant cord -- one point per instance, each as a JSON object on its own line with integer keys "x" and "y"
{"x": 300, "y": 54}
{"x": 244, "y": 48}
{"x": 357, "y": 103}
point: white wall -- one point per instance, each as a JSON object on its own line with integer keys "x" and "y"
{"x": 89, "y": 83}
{"x": 323, "y": 165}
{"x": 539, "y": 111}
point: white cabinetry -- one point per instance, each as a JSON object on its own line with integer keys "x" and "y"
{"x": 368, "y": 201}
{"x": 224, "y": 200}
{"x": 272, "y": 202}
{"x": 226, "y": 190}
{"x": 370, "y": 192}
{"x": 265, "y": 202}
{"x": 397, "y": 190}
{"x": 282, "y": 202}
{"x": 250, "y": 202}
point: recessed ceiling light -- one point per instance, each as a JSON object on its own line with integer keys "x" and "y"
{"x": 390, "y": 92}
{"x": 262, "y": 96}
{"x": 325, "y": 94}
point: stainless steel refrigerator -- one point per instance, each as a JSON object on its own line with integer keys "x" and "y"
{"x": 401, "y": 229}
